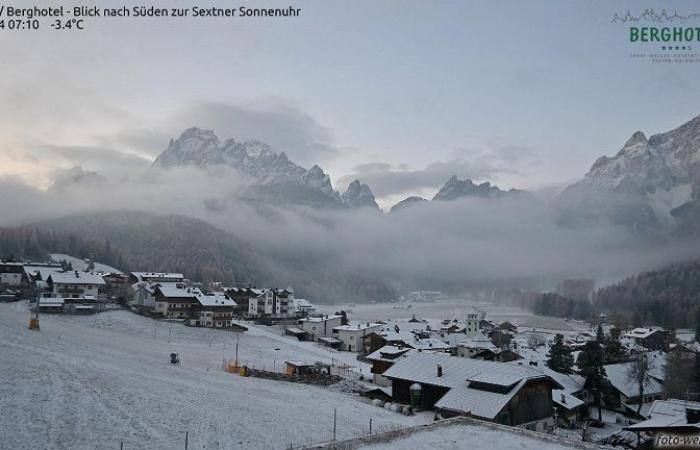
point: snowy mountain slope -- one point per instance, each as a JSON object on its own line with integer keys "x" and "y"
{"x": 272, "y": 176}
{"x": 94, "y": 381}
{"x": 359, "y": 195}
{"x": 644, "y": 181}
{"x": 81, "y": 265}
{"x": 455, "y": 188}
{"x": 407, "y": 202}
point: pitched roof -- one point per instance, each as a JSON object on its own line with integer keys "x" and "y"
{"x": 357, "y": 326}
{"x": 147, "y": 275}
{"x": 669, "y": 413}
{"x": 643, "y": 332}
{"x": 465, "y": 379}
{"x": 421, "y": 367}
{"x": 480, "y": 403}
{"x": 618, "y": 376}
{"x": 388, "y": 353}
{"x": 76, "y": 278}
{"x": 214, "y": 299}
{"x": 177, "y": 290}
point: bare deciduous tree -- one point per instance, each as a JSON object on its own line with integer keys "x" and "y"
{"x": 639, "y": 372}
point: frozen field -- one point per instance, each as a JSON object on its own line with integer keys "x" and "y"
{"x": 94, "y": 381}
{"x": 439, "y": 310}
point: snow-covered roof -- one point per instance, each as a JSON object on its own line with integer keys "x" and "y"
{"x": 302, "y": 303}
{"x": 321, "y": 319}
{"x": 465, "y": 378}
{"x": 566, "y": 400}
{"x": 358, "y": 326}
{"x": 177, "y": 290}
{"x": 388, "y": 353}
{"x": 480, "y": 403}
{"x": 480, "y": 342}
{"x": 643, "y": 332}
{"x": 76, "y": 278}
{"x": 411, "y": 338}
{"x": 160, "y": 275}
{"x": 669, "y": 413}
{"x": 422, "y": 368}
{"x": 214, "y": 299}
{"x": 618, "y": 375}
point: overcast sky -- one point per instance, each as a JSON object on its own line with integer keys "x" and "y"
{"x": 402, "y": 94}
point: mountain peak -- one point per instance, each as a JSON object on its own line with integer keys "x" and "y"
{"x": 637, "y": 138}
{"x": 359, "y": 195}
{"x": 455, "y": 188}
{"x": 409, "y": 201}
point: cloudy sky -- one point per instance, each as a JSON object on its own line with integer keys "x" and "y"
{"x": 401, "y": 94}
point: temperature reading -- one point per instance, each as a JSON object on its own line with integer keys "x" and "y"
{"x": 68, "y": 24}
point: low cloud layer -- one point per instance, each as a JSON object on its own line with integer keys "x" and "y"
{"x": 388, "y": 180}
{"x": 441, "y": 242}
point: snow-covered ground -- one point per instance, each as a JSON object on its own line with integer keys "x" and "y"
{"x": 470, "y": 437}
{"x": 81, "y": 265}
{"x": 86, "y": 382}
{"x": 442, "y": 309}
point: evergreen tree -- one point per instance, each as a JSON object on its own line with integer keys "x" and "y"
{"x": 613, "y": 347}
{"x": 559, "y": 358}
{"x": 590, "y": 364}
{"x": 600, "y": 334}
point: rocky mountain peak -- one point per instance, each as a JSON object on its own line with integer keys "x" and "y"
{"x": 456, "y": 188}
{"x": 259, "y": 164}
{"x": 359, "y": 195}
{"x": 637, "y": 138}
{"x": 409, "y": 201}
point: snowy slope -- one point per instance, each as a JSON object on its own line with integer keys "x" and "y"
{"x": 466, "y": 437}
{"x": 80, "y": 265}
{"x": 93, "y": 381}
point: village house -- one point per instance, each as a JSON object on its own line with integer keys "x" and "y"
{"x": 156, "y": 277}
{"x": 382, "y": 360}
{"x": 11, "y": 274}
{"x": 317, "y": 328}
{"x": 351, "y": 336}
{"x": 272, "y": 304}
{"x": 503, "y": 393}
{"x": 478, "y": 346}
{"x": 214, "y": 310}
{"x": 672, "y": 416}
{"x": 242, "y": 295}
{"x": 403, "y": 337}
{"x": 70, "y": 292}
{"x": 622, "y": 393}
{"x": 652, "y": 338}
{"x": 303, "y": 307}
{"x": 175, "y": 300}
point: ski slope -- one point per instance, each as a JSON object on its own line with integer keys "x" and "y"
{"x": 86, "y": 382}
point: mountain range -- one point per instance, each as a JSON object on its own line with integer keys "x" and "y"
{"x": 645, "y": 185}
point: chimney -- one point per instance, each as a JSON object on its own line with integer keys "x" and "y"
{"x": 563, "y": 399}
{"x": 439, "y": 370}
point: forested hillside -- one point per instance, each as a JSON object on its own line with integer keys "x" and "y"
{"x": 137, "y": 241}
{"x": 669, "y": 297}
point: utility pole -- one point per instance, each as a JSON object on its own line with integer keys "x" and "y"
{"x": 34, "y": 315}
{"x": 335, "y": 411}
{"x": 238, "y": 335}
